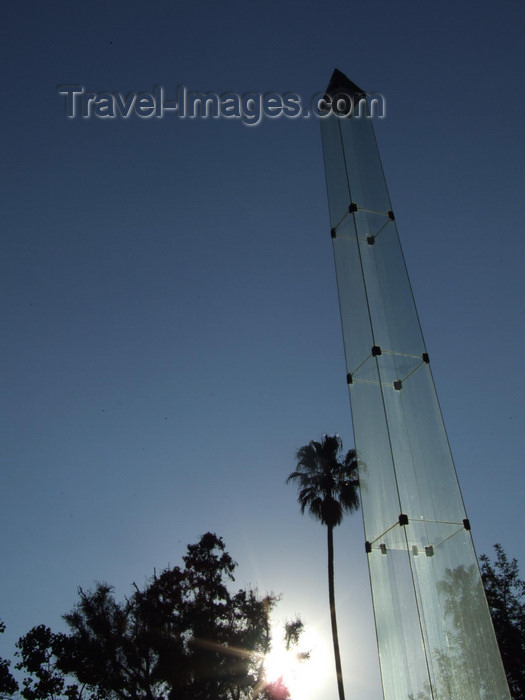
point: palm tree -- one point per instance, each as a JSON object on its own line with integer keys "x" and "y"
{"x": 328, "y": 487}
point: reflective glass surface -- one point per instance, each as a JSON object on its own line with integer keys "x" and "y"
{"x": 434, "y": 630}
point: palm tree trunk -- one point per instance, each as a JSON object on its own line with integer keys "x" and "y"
{"x": 333, "y": 619}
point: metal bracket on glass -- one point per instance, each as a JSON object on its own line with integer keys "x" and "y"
{"x": 371, "y": 238}
{"x": 375, "y": 351}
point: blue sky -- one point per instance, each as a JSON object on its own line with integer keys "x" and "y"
{"x": 171, "y": 327}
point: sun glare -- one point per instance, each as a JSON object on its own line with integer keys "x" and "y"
{"x": 302, "y": 676}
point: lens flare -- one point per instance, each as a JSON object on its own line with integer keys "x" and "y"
{"x": 303, "y": 670}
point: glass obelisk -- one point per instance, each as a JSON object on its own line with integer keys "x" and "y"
{"x": 434, "y": 631}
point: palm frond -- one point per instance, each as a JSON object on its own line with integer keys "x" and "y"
{"x": 327, "y": 481}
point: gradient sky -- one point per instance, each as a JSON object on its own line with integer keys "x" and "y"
{"x": 170, "y": 315}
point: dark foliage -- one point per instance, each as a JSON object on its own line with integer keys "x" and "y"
{"x": 327, "y": 480}
{"x": 184, "y": 636}
{"x": 8, "y": 684}
{"x": 505, "y": 593}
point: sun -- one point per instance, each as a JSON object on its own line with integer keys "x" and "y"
{"x": 303, "y": 669}
{"x": 281, "y": 663}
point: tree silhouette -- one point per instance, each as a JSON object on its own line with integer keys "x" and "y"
{"x": 184, "y": 636}
{"x": 328, "y": 487}
{"x": 8, "y": 684}
{"x": 505, "y": 593}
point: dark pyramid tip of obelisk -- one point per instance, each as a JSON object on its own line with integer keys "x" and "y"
{"x": 339, "y": 83}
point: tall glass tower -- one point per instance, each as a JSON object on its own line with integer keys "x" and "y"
{"x": 434, "y": 631}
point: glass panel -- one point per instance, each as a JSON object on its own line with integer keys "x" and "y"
{"x": 401, "y": 649}
{"x": 385, "y": 271}
{"x": 335, "y": 172}
{"x": 425, "y": 470}
{"x": 365, "y": 172}
{"x": 462, "y": 650}
{"x": 434, "y": 631}
{"x": 357, "y": 334}
{"x": 377, "y": 477}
